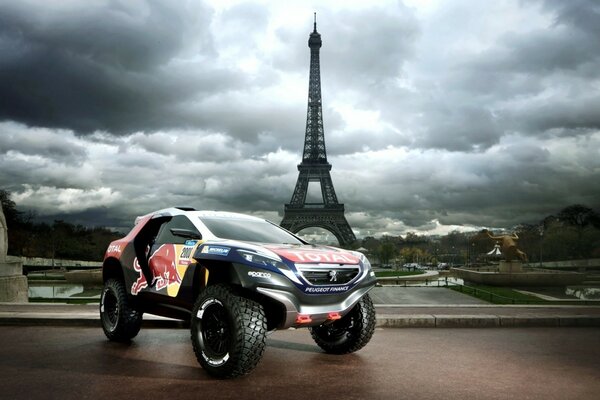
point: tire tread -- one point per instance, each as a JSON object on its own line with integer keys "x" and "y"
{"x": 248, "y": 343}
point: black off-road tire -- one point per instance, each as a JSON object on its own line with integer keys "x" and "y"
{"x": 228, "y": 332}
{"x": 350, "y": 333}
{"x": 120, "y": 321}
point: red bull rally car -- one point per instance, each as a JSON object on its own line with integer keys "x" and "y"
{"x": 234, "y": 277}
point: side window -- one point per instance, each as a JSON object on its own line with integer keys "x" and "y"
{"x": 179, "y": 222}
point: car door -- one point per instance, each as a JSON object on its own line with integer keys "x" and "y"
{"x": 170, "y": 254}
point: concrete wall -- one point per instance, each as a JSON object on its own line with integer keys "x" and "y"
{"x": 14, "y": 289}
{"x": 57, "y": 263}
{"x": 13, "y": 284}
{"x": 575, "y": 264}
{"x": 530, "y": 278}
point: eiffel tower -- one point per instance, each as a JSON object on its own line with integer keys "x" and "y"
{"x": 327, "y": 214}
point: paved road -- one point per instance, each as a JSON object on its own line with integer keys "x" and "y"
{"x": 533, "y": 363}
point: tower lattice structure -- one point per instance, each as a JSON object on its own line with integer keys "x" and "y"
{"x": 327, "y": 214}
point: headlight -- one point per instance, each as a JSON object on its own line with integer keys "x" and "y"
{"x": 366, "y": 262}
{"x": 363, "y": 259}
{"x": 261, "y": 259}
{"x": 269, "y": 261}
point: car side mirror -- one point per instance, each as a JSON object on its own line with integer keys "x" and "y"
{"x": 186, "y": 233}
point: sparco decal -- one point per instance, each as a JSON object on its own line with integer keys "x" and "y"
{"x": 328, "y": 289}
{"x": 256, "y": 274}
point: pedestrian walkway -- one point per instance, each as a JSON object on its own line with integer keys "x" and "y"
{"x": 420, "y": 295}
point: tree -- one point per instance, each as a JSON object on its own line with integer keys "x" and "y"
{"x": 579, "y": 217}
{"x": 387, "y": 251}
{"x": 10, "y": 209}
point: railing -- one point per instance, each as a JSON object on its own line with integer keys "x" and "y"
{"x": 483, "y": 294}
{"x": 402, "y": 281}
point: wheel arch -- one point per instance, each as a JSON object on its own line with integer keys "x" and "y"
{"x": 112, "y": 268}
{"x": 223, "y": 272}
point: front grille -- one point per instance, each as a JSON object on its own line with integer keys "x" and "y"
{"x": 328, "y": 274}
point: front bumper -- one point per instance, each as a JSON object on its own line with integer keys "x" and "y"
{"x": 301, "y": 308}
{"x": 297, "y": 314}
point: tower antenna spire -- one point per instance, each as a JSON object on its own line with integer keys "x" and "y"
{"x": 315, "y": 24}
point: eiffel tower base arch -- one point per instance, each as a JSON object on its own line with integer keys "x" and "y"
{"x": 332, "y": 220}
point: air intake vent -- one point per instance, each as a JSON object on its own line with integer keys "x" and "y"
{"x": 328, "y": 274}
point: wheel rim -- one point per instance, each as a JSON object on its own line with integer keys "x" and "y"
{"x": 215, "y": 331}
{"x": 110, "y": 309}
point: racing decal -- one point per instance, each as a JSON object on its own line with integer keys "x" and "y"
{"x": 317, "y": 256}
{"x": 164, "y": 268}
{"x": 216, "y": 250}
{"x": 326, "y": 289}
{"x": 185, "y": 255}
{"x": 168, "y": 265}
{"x": 115, "y": 249}
{"x": 140, "y": 283}
{"x": 259, "y": 274}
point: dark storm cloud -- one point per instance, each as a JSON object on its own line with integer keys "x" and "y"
{"x": 534, "y": 82}
{"x": 459, "y": 128}
{"x": 480, "y": 113}
{"x": 368, "y": 47}
{"x": 111, "y": 68}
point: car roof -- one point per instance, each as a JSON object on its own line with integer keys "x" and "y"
{"x": 172, "y": 211}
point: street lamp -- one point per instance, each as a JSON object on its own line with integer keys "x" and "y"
{"x": 541, "y": 242}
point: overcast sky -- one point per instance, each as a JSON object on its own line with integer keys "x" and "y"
{"x": 438, "y": 114}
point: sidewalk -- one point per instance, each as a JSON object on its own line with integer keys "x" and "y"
{"x": 388, "y": 316}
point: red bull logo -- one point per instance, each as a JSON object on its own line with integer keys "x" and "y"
{"x": 140, "y": 283}
{"x": 162, "y": 265}
{"x": 168, "y": 265}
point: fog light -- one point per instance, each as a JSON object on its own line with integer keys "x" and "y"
{"x": 334, "y": 316}
{"x": 303, "y": 319}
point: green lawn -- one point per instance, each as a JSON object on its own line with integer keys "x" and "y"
{"x": 499, "y": 295}
{"x": 393, "y": 274}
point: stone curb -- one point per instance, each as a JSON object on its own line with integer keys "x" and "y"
{"x": 483, "y": 321}
{"x": 383, "y": 321}
{"x": 81, "y": 320}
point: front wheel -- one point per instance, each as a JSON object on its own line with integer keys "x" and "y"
{"x": 228, "y": 332}
{"x": 120, "y": 321}
{"x": 350, "y": 333}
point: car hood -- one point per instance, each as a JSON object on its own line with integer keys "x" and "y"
{"x": 314, "y": 254}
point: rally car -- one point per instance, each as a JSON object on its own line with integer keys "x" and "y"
{"x": 234, "y": 277}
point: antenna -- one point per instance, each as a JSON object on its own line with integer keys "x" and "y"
{"x": 315, "y": 22}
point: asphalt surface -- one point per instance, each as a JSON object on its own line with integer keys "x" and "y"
{"x": 514, "y": 363}
{"x": 50, "y": 351}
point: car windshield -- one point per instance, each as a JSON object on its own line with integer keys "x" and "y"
{"x": 248, "y": 230}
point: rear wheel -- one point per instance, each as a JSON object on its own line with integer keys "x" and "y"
{"x": 120, "y": 321}
{"x": 350, "y": 333}
{"x": 228, "y": 332}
